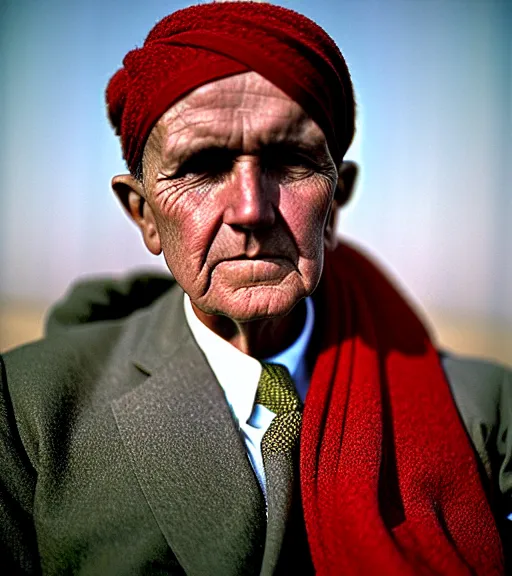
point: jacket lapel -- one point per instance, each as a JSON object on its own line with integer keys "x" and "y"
{"x": 187, "y": 453}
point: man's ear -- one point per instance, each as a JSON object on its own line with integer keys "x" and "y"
{"x": 347, "y": 176}
{"x": 130, "y": 192}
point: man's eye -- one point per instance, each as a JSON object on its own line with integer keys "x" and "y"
{"x": 211, "y": 164}
{"x": 283, "y": 162}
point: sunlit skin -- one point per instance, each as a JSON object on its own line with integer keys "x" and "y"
{"x": 238, "y": 186}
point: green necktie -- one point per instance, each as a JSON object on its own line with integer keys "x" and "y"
{"x": 276, "y": 392}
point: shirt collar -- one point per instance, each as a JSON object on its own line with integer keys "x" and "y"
{"x": 237, "y": 373}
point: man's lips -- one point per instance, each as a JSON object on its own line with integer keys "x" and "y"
{"x": 246, "y": 271}
{"x": 257, "y": 257}
{"x": 243, "y": 259}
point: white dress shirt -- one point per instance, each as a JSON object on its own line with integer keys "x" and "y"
{"x": 238, "y": 374}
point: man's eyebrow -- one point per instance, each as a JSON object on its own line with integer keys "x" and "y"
{"x": 194, "y": 151}
{"x": 296, "y": 146}
{"x": 288, "y": 145}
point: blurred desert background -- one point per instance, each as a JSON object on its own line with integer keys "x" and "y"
{"x": 433, "y": 204}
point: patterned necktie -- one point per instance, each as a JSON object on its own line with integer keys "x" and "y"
{"x": 276, "y": 392}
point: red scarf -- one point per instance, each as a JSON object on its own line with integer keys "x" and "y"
{"x": 389, "y": 480}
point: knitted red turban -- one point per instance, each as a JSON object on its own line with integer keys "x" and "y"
{"x": 197, "y": 45}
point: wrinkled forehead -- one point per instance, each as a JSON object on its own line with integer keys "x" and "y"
{"x": 244, "y": 112}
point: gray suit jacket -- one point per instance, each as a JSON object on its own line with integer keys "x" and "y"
{"x": 119, "y": 454}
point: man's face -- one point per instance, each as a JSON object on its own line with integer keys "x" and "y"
{"x": 240, "y": 182}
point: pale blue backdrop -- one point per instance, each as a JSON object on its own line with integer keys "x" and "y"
{"x": 433, "y": 83}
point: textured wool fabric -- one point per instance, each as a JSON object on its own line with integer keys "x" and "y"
{"x": 389, "y": 480}
{"x": 276, "y": 392}
{"x": 197, "y": 45}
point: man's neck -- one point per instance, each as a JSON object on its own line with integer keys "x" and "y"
{"x": 258, "y": 338}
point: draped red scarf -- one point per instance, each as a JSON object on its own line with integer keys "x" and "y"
{"x": 389, "y": 480}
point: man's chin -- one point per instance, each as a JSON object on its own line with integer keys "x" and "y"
{"x": 253, "y": 303}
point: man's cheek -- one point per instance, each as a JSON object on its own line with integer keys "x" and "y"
{"x": 308, "y": 223}
{"x": 170, "y": 234}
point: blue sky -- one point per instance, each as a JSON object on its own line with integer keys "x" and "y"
{"x": 433, "y": 83}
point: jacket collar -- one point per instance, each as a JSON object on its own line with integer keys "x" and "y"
{"x": 161, "y": 330}
{"x": 186, "y": 452}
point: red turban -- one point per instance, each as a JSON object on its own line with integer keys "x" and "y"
{"x": 197, "y": 45}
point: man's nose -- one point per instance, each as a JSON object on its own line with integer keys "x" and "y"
{"x": 252, "y": 198}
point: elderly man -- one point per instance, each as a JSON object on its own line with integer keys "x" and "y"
{"x": 277, "y": 407}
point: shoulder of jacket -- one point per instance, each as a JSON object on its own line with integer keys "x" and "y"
{"x": 479, "y": 386}
{"x": 482, "y": 391}
{"x": 100, "y": 299}
{"x": 49, "y": 381}
{"x": 81, "y": 348}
